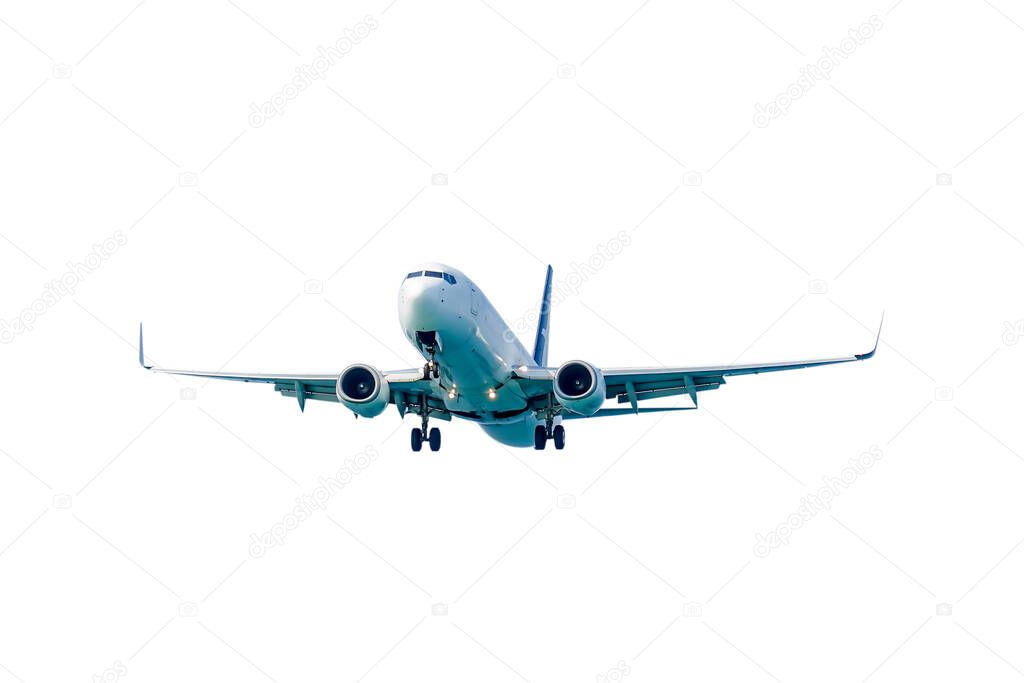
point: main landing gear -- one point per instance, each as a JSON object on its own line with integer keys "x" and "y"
{"x": 431, "y": 436}
{"x": 544, "y": 432}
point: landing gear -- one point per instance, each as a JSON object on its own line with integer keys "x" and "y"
{"x": 431, "y": 436}
{"x": 542, "y": 433}
{"x": 540, "y": 438}
{"x": 548, "y": 430}
{"x": 431, "y": 370}
{"x": 559, "y": 437}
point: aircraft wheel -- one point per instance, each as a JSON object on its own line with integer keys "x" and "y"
{"x": 559, "y": 437}
{"x": 540, "y": 438}
{"x": 417, "y": 440}
{"x": 435, "y": 439}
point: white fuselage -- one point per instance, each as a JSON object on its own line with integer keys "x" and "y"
{"x": 474, "y": 348}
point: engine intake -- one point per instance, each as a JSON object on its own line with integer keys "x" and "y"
{"x": 580, "y": 387}
{"x": 363, "y": 390}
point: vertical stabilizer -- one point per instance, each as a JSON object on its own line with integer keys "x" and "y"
{"x": 540, "y": 346}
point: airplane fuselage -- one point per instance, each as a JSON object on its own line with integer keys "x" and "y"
{"x": 442, "y": 310}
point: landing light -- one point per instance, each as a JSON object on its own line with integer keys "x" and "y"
{"x": 451, "y": 394}
{"x": 492, "y": 394}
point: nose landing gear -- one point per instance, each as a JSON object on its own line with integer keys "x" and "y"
{"x": 428, "y": 342}
{"x": 431, "y": 370}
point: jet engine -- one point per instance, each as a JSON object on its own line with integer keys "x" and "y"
{"x": 363, "y": 390}
{"x": 580, "y": 387}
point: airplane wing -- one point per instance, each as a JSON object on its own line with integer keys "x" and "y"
{"x": 408, "y": 388}
{"x": 632, "y": 385}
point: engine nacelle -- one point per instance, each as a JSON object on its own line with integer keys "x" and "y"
{"x": 580, "y": 387}
{"x": 363, "y": 390}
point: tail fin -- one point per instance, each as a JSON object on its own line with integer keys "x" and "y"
{"x": 540, "y": 346}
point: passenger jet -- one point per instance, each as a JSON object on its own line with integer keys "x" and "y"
{"x": 477, "y": 369}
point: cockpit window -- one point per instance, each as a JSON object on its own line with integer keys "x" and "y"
{"x": 450, "y": 279}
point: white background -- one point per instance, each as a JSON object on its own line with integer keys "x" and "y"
{"x": 127, "y": 511}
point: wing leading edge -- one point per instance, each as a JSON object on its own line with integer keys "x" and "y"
{"x": 631, "y": 385}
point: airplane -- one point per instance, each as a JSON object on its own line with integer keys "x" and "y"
{"x": 477, "y": 369}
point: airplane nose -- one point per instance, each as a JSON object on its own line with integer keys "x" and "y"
{"x": 424, "y": 304}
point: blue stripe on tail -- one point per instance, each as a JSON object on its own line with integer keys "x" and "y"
{"x": 540, "y": 345}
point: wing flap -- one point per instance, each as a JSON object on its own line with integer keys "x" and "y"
{"x": 609, "y": 412}
{"x": 308, "y": 393}
{"x": 665, "y": 393}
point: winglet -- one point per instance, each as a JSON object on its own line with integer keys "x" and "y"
{"x": 869, "y": 354}
{"x": 142, "y": 357}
